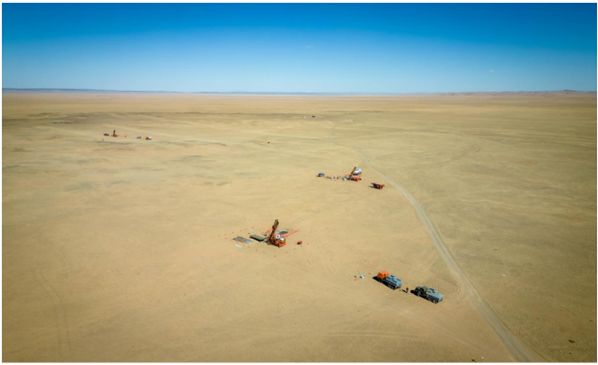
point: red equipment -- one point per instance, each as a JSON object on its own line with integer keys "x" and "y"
{"x": 275, "y": 238}
{"x": 383, "y": 275}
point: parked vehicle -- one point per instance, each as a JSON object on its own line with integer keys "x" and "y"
{"x": 388, "y": 279}
{"x": 377, "y": 186}
{"x": 430, "y": 294}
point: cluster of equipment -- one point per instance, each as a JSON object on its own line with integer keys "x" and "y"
{"x": 147, "y": 138}
{"x": 278, "y": 237}
{"x": 275, "y": 237}
{"x": 354, "y": 175}
{"x": 395, "y": 283}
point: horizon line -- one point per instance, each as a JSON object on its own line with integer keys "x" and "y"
{"x": 87, "y": 90}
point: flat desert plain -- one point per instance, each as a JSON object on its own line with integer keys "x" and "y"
{"x": 120, "y": 249}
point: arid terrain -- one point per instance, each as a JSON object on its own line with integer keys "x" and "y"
{"x": 120, "y": 249}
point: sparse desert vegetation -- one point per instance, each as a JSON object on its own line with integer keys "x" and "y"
{"x": 120, "y": 249}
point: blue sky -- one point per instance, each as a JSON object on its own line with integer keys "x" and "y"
{"x": 347, "y": 48}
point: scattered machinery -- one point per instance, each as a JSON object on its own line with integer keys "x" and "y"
{"x": 275, "y": 238}
{"x": 354, "y": 175}
{"x": 430, "y": 294}
{"x": 388, "y": 279}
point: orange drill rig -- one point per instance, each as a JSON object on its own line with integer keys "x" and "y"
{"x": 275, "y": 238}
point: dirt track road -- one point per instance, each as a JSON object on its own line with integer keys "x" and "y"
{"x": 519, "y": 351}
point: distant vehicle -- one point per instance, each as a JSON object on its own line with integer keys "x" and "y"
{"x": 430, "y": 294}
{"x": 389, "y": 280}
{"x": 377, "y": 186}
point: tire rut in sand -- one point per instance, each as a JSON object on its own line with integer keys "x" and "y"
{"x": 518, "y": 350}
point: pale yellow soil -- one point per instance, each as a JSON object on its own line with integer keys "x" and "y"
{"x": 119, "y": 249}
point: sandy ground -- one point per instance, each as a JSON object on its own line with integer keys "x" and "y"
{"x": 119, "y": 249}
